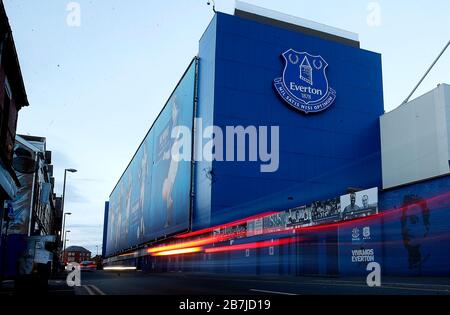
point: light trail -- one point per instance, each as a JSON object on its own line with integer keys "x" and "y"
{"x": 227, "y": 225}
{"x": 119, "y": 268}
{"x": 179, "y": 251}
{"x": 260, "y": 244}
{"x": 173, "y": 249}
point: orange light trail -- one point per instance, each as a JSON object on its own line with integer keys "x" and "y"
{"x": 128, "y": 254}
{"x": 195, "y": 243}
{"x": 179, "y": 251}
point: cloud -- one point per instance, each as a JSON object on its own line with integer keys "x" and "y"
{"x": 60, "y": 159}
{"x": 89, "y": 180}
{"x": 86, "y": 226}
{"x": 85, "y": 235}
{"x": 74, "y": 195}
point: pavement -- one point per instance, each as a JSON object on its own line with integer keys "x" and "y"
{"x": 177, "y": 283}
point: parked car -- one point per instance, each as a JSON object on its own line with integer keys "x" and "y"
{"x": 88, "y": 265}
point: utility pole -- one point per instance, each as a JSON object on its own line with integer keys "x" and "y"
{"x": 426, "y": 73}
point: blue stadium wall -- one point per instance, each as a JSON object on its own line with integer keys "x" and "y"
{"x": 417, "y": 241}
{"x": 105, "y": 228}
{"x": 321, "y": 155}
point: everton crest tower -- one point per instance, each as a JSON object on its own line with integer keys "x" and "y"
{"x": 289, "y": 109}
{"x": 261, "y": 67}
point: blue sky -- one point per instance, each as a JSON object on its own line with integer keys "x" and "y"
{"x": 94, "y": 90}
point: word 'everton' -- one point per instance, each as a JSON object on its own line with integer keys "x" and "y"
{"x": 305, "y": 89}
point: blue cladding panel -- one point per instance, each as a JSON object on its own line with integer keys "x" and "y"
{"x": 105, "y": 228}
{"x": 206, "y": 79}
{"x": 418, "y": 244}
{"x": 321, "y": 155}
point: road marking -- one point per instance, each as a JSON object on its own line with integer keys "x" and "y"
{"x": 273, "y": 292}
{"x": 95, "y": 288}
{"x": 382, "y": 287}
{"x": 443, "y": 286}
{"x": 389, "y": 285}
{"x": 247, "y": 280}
{"x": 414, "y": 289}
{"x": 88, "y": 290}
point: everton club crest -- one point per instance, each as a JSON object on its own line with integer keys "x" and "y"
{"x": 304, "y": 84}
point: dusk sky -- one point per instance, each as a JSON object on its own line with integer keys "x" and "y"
{"x": 95, "y": 89}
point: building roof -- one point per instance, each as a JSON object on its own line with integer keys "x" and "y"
{"x": 293, "y": 23}
{"x": 77, "y": 249}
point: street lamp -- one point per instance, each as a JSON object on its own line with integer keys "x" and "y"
{"x": 70, "y": 170}
{"x": 62, "y": 233}
{"x": 65, "y": 239}
{"x": 64, "y": 223}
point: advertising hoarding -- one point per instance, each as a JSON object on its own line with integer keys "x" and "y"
{"x": 351, "y": 206}
{"x": 299, "y": 216}
{"x": 359, "y": 204}
{"x": 325, "y": 211}
{"x": 152, "y": 198}
{"x": 359, "y": 242}
{"x": 359, "y": 245}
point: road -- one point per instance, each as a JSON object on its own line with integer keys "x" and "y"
{"x": 139, "y": 283}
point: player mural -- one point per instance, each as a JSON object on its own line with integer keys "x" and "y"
{"x": 168, "y": 143}
{"x": 143, "y": 174}
{"x": 415, "y": 225}
{"x": 152, "y": 198}
{"x": 417, "y": 231}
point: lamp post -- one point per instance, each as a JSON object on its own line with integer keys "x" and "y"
{"x": 64, "y": 224}
{"x": 71, "y": 170}
{"x": 65, "y": 240}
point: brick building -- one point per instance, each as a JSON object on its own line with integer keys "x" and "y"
{"x": 76, "y": 254}
{"x": 12, "y": 98}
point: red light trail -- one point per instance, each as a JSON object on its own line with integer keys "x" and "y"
{"x": 227, "y": 225}
{"x": 260, "y": 244}
{"x": 179, "y": 248}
